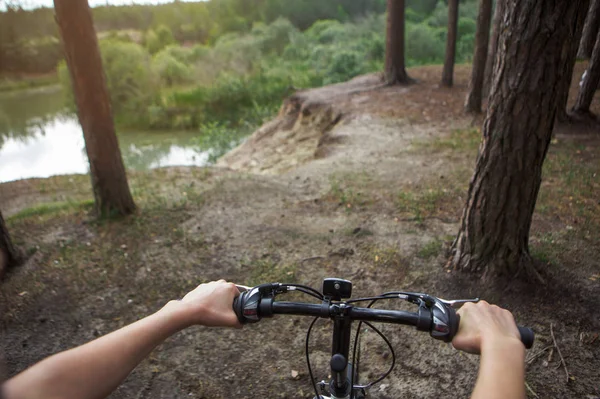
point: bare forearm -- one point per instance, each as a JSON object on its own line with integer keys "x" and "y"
{"x": 501, "y": 372}
{"x": 97, "y": 368}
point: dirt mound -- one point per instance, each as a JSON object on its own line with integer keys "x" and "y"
{"x": 299, "y": 130}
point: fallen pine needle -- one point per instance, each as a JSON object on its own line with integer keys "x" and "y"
{"x": 562, "y": 359}
{"x": 531, "y": 390}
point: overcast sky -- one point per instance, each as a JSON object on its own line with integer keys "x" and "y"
{"x": 93, "y": 3}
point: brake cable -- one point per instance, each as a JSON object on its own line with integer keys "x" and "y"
{"x": 373, "y": 300}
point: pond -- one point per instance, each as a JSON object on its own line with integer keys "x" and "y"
{"x": 38, "y": 138}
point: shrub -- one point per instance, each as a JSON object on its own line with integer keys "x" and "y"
{"x": 326, "y": 31}
{"x": 465, "y": 47}
{"x": 413, "y": 16}
{"x": 170, "y": 70}
{"x": 156, "y": 40}
{"x": 466, "y": 26}
{"x": 273, "y": 38}
{"x": 181, "y": 54}
{"x": 423, "y": 44}
{"x": 131, "y": 83}
{"x": 344, "y": 65}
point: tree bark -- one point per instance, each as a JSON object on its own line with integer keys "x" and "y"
{"x": 564, "y": 84}
{"x": 482, "y": 36}
{"x": 590, "y": 83}
{"x": 395, "y": 69}
{"x": 448, "y": 72}
{"x": 494, "y": 234}
{"x": 493, "y": 48}
{"x": 591, "y": 26}
{"x": 109, "y": 180}
{"x": 9, "y": 255}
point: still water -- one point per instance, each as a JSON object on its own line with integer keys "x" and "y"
{"x": 39, "y": 139}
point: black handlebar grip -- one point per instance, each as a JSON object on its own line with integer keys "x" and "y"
{"x": 527, "y": 336}
{"x": 237, "y": 308}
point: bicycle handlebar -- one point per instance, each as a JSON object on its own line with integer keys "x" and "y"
{"x": 434, "y": 316}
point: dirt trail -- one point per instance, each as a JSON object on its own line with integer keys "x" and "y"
{"x": 350, "y": 182}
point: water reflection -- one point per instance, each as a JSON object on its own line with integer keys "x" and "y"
{"x": 39, "y": 139}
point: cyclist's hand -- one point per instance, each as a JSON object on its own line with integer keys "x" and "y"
{"x": 211, "y": 305}
{"x": 482, "y": 324}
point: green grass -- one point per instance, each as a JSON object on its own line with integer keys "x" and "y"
{"x": 457, "y": 140}
{"x": 350, "y": 190}
{"x": 11, "y": 84}
{"x": 52, "y": 209}
{"x": 420, "y": 204}
{"x": 430, "y": 250}
{"x": 270, "y": 271}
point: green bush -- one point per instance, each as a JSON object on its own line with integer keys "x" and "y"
{"x": 158, "y": 39}
{"x": 345, "y": 65}
{"x": 439, "y": 16}
{"x": 465, "y": 48}
{"x": 132, "y": 84}
{"x": 413, "y": 16}
{"x": 273, "y": 38}
{"x": 171, "y": 70}
{"x": 424, "y": 45}
{"x": 180, "y": 53}
{"x": 466, "y": 26}
{"x": 326, "y": 31}
{"x": 131, "y": 81}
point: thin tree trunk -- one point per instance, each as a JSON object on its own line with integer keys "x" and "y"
{"x": 494, "y": 234}
{"x": 493, "y": 48}
{"x": 9, "y": 255}
{"x": 564, "y": 83}
{"x": 395, "y": 69}
{"x": 592, "y": 24}
{"x": 448, "y": 73}
{"x": 482, "y": 36}
{"x": 82, "y": 53}
{"x": 590, "y": 83}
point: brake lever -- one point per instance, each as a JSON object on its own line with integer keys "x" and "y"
{"x": 242, "y": 288}
{"x": 458, "y": 302}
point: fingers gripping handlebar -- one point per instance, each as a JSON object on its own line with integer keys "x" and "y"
{"x": 434, "y": 315}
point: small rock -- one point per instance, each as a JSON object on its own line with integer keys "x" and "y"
{"x": 129, "y": 301}
{"x": 295, "y": 374}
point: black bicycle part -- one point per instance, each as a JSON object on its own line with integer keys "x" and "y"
{"x": 337, "y": 289}
{"x": 434, "y": 315}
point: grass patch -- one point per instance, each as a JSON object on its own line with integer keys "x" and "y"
{"x": 52, "y": 209}
{"x": 457, "y": 140}
{"x": 430, "y": 250}
{"x": 350, "y": 191}
{"x": 387, "y": 257}
{"x": 570, "y": 185}
{"x": 9, "y": 84}
{"x": 427, "y": 203}
{"x": 270, "y": 271}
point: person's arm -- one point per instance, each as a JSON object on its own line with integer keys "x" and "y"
{"x": 97, "y": 368}
{"x": 492, "y": 332}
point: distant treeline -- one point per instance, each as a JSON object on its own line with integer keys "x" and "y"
{"x": 29, "y": 38}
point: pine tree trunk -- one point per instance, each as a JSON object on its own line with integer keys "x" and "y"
{"x": 9, "y": 255}
{"x": 395, "y": 70}
{"x": 590, "y": 83}
{"x": 482, "y": 36}
{"x": 564, "y": 83}
{"x": 494, "y": 234}
{"x": 82, "y": 53}
{"x": 448, "y": 73}
{"x": 592, "y": 24}
{"x": 493, "y": 48}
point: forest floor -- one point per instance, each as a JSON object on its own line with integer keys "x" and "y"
{"x": 358, "y": 183}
